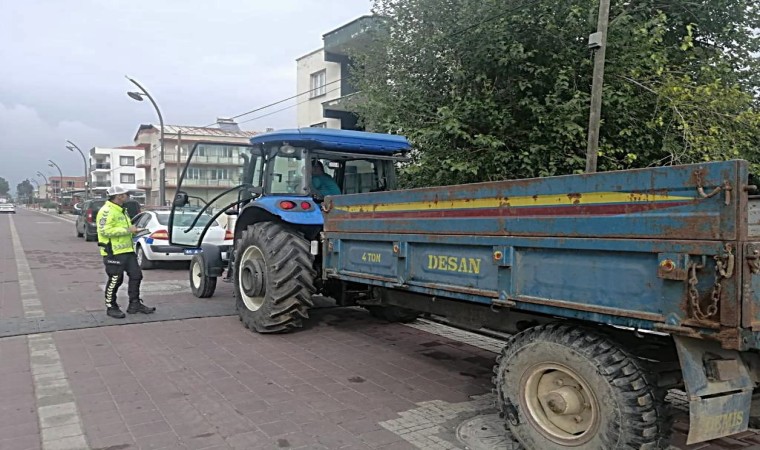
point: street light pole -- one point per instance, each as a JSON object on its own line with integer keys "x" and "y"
{"x": 38, "y": 190}
{"x": 47, "y": 188}
{"x": 60, "y": 188}
{"x": 161, "y": 164}
{"x": 71, "y": 148}
{"x": 598, "y": 41}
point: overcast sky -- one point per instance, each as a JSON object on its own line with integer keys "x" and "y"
{"x": 62, "y": 68}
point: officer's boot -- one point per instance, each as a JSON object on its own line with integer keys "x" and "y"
{"x": 115, "y": 312}
{"x": 138, "y": 307}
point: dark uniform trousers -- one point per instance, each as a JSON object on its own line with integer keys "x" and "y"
{"x": 115, "y": 268}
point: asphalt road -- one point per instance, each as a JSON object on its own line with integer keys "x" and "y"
{"x": 191, "y": 376}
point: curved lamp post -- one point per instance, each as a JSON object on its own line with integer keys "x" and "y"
{"x": 47, "y": 188}
{"x": 36, "y": 183}
{"x": 161, "y": 169}
{"x": 60, "y": 187}
{"x": 71, "y": 148}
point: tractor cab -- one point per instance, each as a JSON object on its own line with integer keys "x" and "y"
{"x": 272, "y": 193}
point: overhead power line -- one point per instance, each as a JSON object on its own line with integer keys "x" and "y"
{"x": 280, "y": 101}
{"x": 283, "y": 109}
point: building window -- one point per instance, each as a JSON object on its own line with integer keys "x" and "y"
{"x": 320, "y": 125}
{"x": 318, "y": 84}
{"x": 219, "y": 174}
{"x": 128, "y": 178}
{"x": 69, "y": 184}
{"x": 127, "y": 160}
{"x": 193, "y": 173}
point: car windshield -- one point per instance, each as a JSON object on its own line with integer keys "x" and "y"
{"x": 185, "y": 219}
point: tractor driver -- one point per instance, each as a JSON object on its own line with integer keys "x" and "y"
{"x": 321, "y": 182}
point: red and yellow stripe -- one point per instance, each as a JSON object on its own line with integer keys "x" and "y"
{"x": 590, "y": 203}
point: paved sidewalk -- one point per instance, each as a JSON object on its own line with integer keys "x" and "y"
{"x": 210, "y": 383}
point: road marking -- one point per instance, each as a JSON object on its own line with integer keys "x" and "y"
{"x": 59, "y": 419}
{"x": 29, "y": 298}
{"x": 54, "y": 216}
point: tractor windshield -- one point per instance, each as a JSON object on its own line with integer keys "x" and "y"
{"x": 287, "y": 171}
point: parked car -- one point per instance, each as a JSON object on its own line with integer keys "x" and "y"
{"x": 87, "y": 212}
{"x": 153, "y": 244}
{"x": 7, "y": 208}
{"x": 85, "y": 223}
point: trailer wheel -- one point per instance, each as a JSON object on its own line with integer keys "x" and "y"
{"x": 393, "y": 314}
{"x": 274, "y": 278}
{"x": 202, "y": 285}
{"x": 563, "y": 386}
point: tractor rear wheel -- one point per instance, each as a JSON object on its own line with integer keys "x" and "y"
{"x": 274, "y": 278}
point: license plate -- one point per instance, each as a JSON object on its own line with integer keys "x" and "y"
{"x": 193, "y": 251}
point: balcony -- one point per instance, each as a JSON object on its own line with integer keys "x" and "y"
{"x": 143, "y": 184}
{"x": 203, "y": 159}
{"x": 203, "y": 183}
{"x": 142, "y": 163}
{"x": 355, "y": 35}
{"x": 100, "y": 166}
{"x": 101, "y": 183}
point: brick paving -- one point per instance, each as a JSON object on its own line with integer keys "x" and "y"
{"x": 345, "y": 382}
{"x": 211, "y": 382}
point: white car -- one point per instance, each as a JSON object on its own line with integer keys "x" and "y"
{"x": 153, "y": 244}
{"x": 7, "y": 208}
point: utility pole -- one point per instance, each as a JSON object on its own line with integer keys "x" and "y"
{"x": 179, "y": 160}
{"x": 597, "y": 42}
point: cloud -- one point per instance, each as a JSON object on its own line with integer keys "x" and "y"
{"x": 29, "y": 141}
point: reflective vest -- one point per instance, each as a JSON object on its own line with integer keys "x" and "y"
{"x": 114, "y": 237}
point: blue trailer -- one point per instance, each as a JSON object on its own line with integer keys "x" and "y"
{"x": 618, "y": 285}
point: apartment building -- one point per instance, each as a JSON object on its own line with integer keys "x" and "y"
{"x": 214, "y": 169}
{"x": 65, "y": 188}
{"x": 116, "y": 166}
{"x": 324, "y": 73}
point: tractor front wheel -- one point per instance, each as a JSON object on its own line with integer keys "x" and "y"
{"x": 274, "y": 278}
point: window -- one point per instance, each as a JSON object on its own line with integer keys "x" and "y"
{"x": 318, "y": 84}
{"x": 127, "y": 160}
{"x": 69, "y": 184}
{"x": 127, "y": 178}
{"x": 362, "y": 176}
{"x": 287, "y": 171}
{"x": 320, "y": 125}
{"x": 219, "y": 174}
{"x": 193, "y": 173}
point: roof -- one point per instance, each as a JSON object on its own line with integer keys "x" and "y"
{"x": 339, "y": 140}
{"x": 196, "y": 131}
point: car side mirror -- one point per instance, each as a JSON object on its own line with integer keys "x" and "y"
{"x": 181, "y": 199}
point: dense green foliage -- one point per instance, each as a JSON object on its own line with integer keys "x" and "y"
{"x": 24, "y": 190}
{"x": 500, "y": 89}
{"x": 4, "y": 187}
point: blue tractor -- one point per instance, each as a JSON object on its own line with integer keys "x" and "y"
{"x": 272, "y": 194}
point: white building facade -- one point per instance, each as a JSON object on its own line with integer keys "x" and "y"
{"x": 323, "y": 75}
{"x": 320, "y": 77}
{"x": 116, "y": 166}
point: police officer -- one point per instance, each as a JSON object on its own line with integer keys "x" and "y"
{"x": 115, "y": 232}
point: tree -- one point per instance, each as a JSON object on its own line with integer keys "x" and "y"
{"x": 500, "y": 88}
{"x": 4, "y": 187}
{"x": 24, "y": 190}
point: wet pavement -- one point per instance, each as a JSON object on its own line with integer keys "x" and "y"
{"x": 191, "y": 376}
